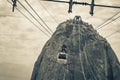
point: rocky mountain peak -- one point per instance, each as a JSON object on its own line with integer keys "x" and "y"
{"x": 88, "y": 55}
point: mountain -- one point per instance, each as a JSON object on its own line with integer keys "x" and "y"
{"x": 87, "y": 55}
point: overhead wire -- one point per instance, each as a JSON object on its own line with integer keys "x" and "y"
{"x": 107, "y": 20}
{"x": 111, "y": 22}
{"x": 105, "y": 23}
{"x": 29, "y": 19}
{"x": 33, "y": 16}
{"x": 48, "y": 12}
{"x": 38, "y": 15}
{"x": 112, "y": 34}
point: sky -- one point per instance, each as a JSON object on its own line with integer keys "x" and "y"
{"x": 21, "y": 42}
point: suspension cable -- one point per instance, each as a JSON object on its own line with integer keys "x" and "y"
{"x": 112, "y": 34}
{"x": 32, "y": 16}
{"x": 48, "y": 12}
{"x": 107, "y": 20}
{"x": 29, "y": 19}
{"x": 38, "y": 15}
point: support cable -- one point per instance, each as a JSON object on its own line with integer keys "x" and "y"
{"x": 38, "y": 15}
{"x": 112, "y": 34}
{"x": 107, "y": 20}
{"x": 29, "y": 20}
{"x": 32, "y": 16}
{"x": 48, "y": 12}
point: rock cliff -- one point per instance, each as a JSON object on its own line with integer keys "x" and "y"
{"x": 89, "y": 55}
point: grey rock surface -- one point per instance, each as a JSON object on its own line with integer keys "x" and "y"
{"x": 90, "y": 56}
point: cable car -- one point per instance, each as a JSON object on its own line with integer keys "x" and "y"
{"x": 62, "y": 55}
{"x": 77, "y": 19}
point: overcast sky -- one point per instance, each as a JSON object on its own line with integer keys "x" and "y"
{"x": 21, "y": 42}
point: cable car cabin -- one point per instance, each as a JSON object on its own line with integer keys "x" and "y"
{"x": 77, "y": 20}
{"x": 62, "y": 57}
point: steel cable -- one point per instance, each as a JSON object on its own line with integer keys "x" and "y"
{"x": 48, "y": 12}
{"x": 38, "y": 16}
{"x": 29, "y": 20}
{"x": 107, "y": 20}
{"x": 32, "y": 16}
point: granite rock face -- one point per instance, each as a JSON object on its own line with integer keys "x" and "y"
{"x": 89, "y": 56}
